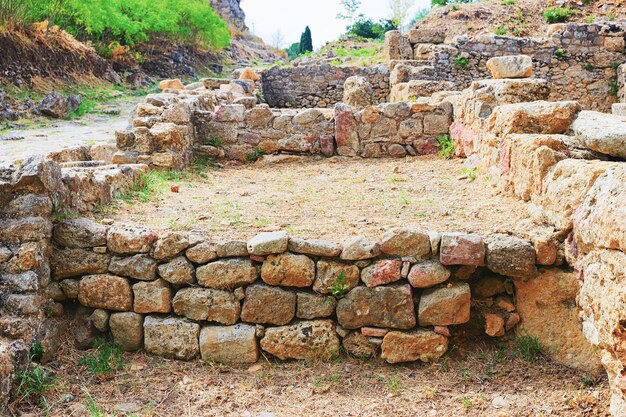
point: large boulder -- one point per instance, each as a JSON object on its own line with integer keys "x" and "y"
{"x": 178, "y": 271}
{"x": 304, "y": 340}
{"x": 268, "y": 305}
{"x": 445, "y": 306}
{"x": 510, "y": 66}
{"x": 289, "y": 270}
{"x": 105, "y": 291}
{"x": 268, "y": 243}
{"x": 229, "y": 344}
{"x": 127, "y": 330}
{"x": 406, "y": 241}
{"x": 227, "y": 273}
{"x": 314, "y": 306}
{"x": 76, "y": 262}
{"x": 357, "y": 92}
{"x": 382, "y": 272}
{"x": 539, "y": 117}
{"x": 207, "y": 304}
{"x": 140, "y": 267}
{"x": 462, "y": 249}
{"x": 421, "y": 344}
{"x": 171, "y": 337}
{"x": 170, "y": 245}
{"x": 360, "y": 248}
{"x": 314, "y": 247}
{"x": 124, "y": 239}
{"x": 394, "y": 308}
{"x": 599, "y": 221}
{"x": 552, "y": 294}
{"x": 511, "y": 256}
{"x": 397, "y": 46}
{"x": 80, "y": 233}
{"x": 427, "y": 274}
{"x": 602, "y": 132}
{"x": 152, "y": 297}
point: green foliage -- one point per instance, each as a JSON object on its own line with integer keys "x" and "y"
{"x": 215, "y": 141}
{"x": 369, "y": 29}
{"x": 500, "y": 31}
{"x": 589, "y": 66}
{"x": 559, "y": 53}
{"x": 611, "y": 16}
{"x": 613, "y": 87}
{"x": 590, "y": 19}
{"x": 508, "y": 2}
{"x": 357, "y": 53}
{"x": 13, "y": 13}
{"x": 339, "y": 287}
{"x": 438, "y": 3}
{"x": 448, "y": 148}
{"x": 293, "y": 51}
{"x": 35, "y": 382}
{"x": 470, "y": 173}
{"x": 106, "y": 359}
{"x": 350, "y": 8}
{"x": 558, "y": 14}
{"x": 306, "y": 41}
{"x": 527, "y": 347}
{"x": 128, "y": 22}
{"x": 461, "y": 61}
{"x": 254, "y": 154}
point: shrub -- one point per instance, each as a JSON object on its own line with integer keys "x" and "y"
{"x": 559, "y": 53}
{"x": 508, "y": 2}
{"x": 339, "y": 287}
{"x": 293, "y": 51}
{"x": 13, "y": 13}
{"x": 500, "y": 31}
{"x": 589, "y": 66}
{"x": 461, "y": 61}
{"x": 558, "y": 14}
{"x": 133, "y": 21}
{"x": 367, "y": 28}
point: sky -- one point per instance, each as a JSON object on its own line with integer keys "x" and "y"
{"x": 266, "y": 17}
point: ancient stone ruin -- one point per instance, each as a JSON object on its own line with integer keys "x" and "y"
{"x": 534, "y": 120}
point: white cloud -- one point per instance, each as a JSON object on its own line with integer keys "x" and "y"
{"x": 266, "y": 17}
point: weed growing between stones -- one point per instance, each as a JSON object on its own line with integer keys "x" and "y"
{"x": 339, "y": 287}
{"x": 35, "y": 382}
{"x": 448, "y": 148}
{"x": 461, "y": 61}
{"x": 613, "y": 87}
{"x": 528, "y": 348}
{"x": 254, "y": 155}
{"x": 106, "y": 359}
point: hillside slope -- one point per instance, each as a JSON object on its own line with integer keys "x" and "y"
{"x": 523, "y": 18}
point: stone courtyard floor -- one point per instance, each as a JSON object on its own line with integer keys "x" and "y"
{"x": 490, "y": 381}
{"x": 330, "y": 198}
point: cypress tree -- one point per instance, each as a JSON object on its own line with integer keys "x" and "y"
{"x": 306, "y": 41}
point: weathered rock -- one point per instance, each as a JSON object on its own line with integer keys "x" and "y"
{"x": 359, "y": 248}
{"x": 427, "y": 35}
{"x": 79, "y": 233}
{"x": 174, "y": 84}
{"x": 599, "y": 221}
{"x": 494, "y": 325}
{"x": 565, "y": 188}
{"x": 486, "y": 287}
{"x": 553, "y": 294}
{"x": 170, "y": 245}
{"x": 359, "y": 346}
{"x": 178, "y": 271}
{"x": 445, "y": 306}
{"x": 332, "y": 274}
{"x": 382, "y": 272}
{"x": 100, "y": 319}
{"x": 397, "y": 46}
{"x": 462, "y": 249}
{"x": 231, "y": 248}
{"x": 202, "y": 253}
{"x": 539, "y": 117}
{"x": 268, "y": 305}
{"x": 304, "y": 340}
{"x": 511, "y": 256}
{"x": 229, "y": 344}
{"x": 76, "y": 262}
{"x": 357, "y": 92}
{"x": 227, "y": 273}
{"x": 428, "y": 274}
{"x": 313, "y": 306}
{"x": 171, "y": 337}
{"x": 314, "y": 247}
{"x": 127, "y": 330}
{"x": 421, "y": 344}
{"x": 346, "y": 134}
{"x": 207, "y": 304}
{"x": 141, "y": 267}
{"x": 70, "y": 288}
{"x": 379, "y": 307}
{"x": 268, "y": 243}
{"x": 511, "y": 66}
{"x": 406, "y": 241}
{"x": 129, "y": 239}
{"x": 289, "y": 270}
{"x": 601, "y": 132}
{"x": 152, "y": 297}
{"x": 105, "y": 291}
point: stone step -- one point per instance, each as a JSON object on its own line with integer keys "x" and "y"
{"x": 601, "y": 132}
{"x": 619, "y": 109}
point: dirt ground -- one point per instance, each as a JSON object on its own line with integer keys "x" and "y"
{"x": 490, "y": 381}
{"x": 331, "y": 198}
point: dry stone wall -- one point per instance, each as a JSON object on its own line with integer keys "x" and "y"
{"x": 318, "y": 85}
{"x": 183, "y": 296}
{"x": 579, "y": 61}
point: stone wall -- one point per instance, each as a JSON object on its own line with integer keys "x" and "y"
{"x": 390, "y": 129}
{"x": 621, "y": 83}
{"x": 183, "y": 296}
{"x": 579, "y": 61}
{"x": 318, "y": 85}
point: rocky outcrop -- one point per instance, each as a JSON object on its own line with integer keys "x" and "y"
{"x": 231, "y": 12}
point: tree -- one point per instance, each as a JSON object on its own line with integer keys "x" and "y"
{"x": 350, "y": 8}
{"x": 400, "y": 10}
{"x": 293, "y": 51}
{"x": 278, "y": 39}
{"x": 306, "y": 41}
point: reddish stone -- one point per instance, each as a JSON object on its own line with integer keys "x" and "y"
{"x": 257, "y": 258}
{"x": 345, "y": 130}
{"x": 512, "y": 321}
{"x": 373, "y": 332}
{"x": 464, "y": 139}
{"x": 442, "y": 330}
{"x": 327, "y": 145}
{"x": 406, "y": 268}
{"x": 174, "y": 188}
{"x": 494, "y": 325}
{"x": 426, "y": 146}
{"x": 462, "y": 249}
{"x": 382, "y": 272}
